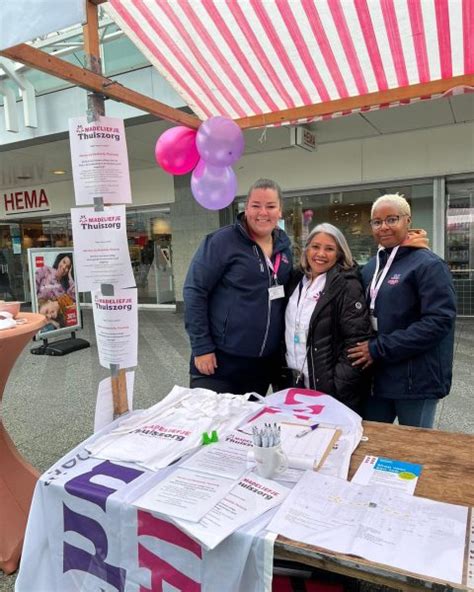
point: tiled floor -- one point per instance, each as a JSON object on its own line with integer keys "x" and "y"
{"x": 49, "y": 402}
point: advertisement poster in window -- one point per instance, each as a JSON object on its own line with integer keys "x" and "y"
{"x": 53, "y": 290}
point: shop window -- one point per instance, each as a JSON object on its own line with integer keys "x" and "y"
{"x": 460, "y": 242}
{"x": 150, "y": 244}
{"x": 349, "y": 210}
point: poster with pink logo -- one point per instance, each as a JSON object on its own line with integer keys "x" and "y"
{"x": 99, "y": 160}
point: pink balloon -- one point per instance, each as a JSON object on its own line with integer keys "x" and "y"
{"x": 220, "y": 141}
{"x": 213, "y": 187}
{"x": 176, "y": 151}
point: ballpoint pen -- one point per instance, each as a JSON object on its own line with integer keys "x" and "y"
{"x": 307, "y": 430}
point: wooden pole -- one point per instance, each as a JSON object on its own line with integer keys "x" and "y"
{"x": 85, "y": 78}
{"x": 96, "y": 109}
{"x": 119, "y": 392}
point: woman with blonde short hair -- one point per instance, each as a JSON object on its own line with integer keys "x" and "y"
{"x": 412, "y": 307}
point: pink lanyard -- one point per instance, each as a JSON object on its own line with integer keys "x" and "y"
{"x": 274, "y": 266}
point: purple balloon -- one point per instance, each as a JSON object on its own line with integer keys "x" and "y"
{"x": 220, "y": 141}
{"x": 213, "y": 187}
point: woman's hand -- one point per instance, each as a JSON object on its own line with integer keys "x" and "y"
{"x": 360, "y": 354}
{"x": 206, "y": 364}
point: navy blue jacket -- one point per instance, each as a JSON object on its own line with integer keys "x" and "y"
{"x": 227, "y": 305}
{"x": 416, "y": 311}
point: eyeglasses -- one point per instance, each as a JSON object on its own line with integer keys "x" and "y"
{"x": 389, "y": 221}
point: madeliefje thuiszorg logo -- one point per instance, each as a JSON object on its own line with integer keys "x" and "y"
{"x": 100, "y": 222}
{"x": 99, "y": 132}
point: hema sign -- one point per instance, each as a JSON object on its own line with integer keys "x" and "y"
{"x": 25, "y": 202}
{"x": 24, "y": 20}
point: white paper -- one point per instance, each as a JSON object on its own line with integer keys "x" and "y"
{"x": 307, "y": 450}
{"x": 378, "y": 523}
{"x": 99, "y": 160}
{"x": 116, "y": 327}
{"x": 185, "y": 494}
{"x": 104, "y": 407}
{"x": 249, "y": 498}
{"x": 101, "y": 248}
{"x": 227, "y": 458}
{"x": 376, "y": 470}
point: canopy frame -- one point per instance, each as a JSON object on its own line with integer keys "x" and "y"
{"x": 90, "y": 79}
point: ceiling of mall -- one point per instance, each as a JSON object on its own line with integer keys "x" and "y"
{"x": 34, "y": 164}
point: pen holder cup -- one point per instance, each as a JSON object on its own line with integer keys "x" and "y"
{"x": 270, "y": 461}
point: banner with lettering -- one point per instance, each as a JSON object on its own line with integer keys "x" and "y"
{"x": 84, "y": 534}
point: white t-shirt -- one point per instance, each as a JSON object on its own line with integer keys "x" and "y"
{"x": 297, "y": 317}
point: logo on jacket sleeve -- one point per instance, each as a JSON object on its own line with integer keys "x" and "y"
{"x": 394, "y": 280}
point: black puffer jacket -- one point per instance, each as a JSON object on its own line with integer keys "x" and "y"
{"x": 340, "y": 319}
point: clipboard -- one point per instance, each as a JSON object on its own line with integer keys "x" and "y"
{"x": 314, "y": 446}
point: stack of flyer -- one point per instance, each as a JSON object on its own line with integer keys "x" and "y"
{"x": 214, "y": 493}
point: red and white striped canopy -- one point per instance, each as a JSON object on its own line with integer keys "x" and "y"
{"x": 240, "y": 58}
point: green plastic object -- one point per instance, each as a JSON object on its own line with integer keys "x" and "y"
{"x": 212, "y": 439}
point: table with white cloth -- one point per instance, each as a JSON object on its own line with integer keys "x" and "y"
{"x": 84, "y": 533}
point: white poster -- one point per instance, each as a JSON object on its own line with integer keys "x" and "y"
{"x": 100, "y": 244}
{"x": 99, "y": 160}
{"x": 116, "y": 327}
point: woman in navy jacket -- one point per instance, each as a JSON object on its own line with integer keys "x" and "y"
{"x": 234, "y": 298}
{"x": 412, "y": 304}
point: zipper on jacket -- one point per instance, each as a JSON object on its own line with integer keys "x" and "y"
{"x": 410, "y": 377}
{"x": 269, "y": 310}
{"x": 262, "y": 267}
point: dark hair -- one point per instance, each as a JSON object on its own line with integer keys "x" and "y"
{"x": 265, "y": 184}
{"x": 64, "y": 281}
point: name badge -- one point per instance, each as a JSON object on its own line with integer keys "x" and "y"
{"x": 300, "y": 337}
{"x": 276, "y": 292}
{"x": 373, "y": 322}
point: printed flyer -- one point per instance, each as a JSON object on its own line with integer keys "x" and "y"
{"x": 100, "y": 241}
{"x": 99, "y": 160}
{"x": 376, "y": 470}
{"x": 116, "y": 327}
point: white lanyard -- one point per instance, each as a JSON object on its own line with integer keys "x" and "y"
{"x": 310, "y": 291}
{"x": 375, "y": 285}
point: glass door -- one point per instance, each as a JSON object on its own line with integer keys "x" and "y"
{"x": 11, "y": 264}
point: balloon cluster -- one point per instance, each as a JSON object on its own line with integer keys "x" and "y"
{"x": 209, "y": 153}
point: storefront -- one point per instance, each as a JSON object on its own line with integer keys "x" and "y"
{"x": 349, "y": 210}
{"x": 150, "y": 232}
{"x": 149, "y": 238}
